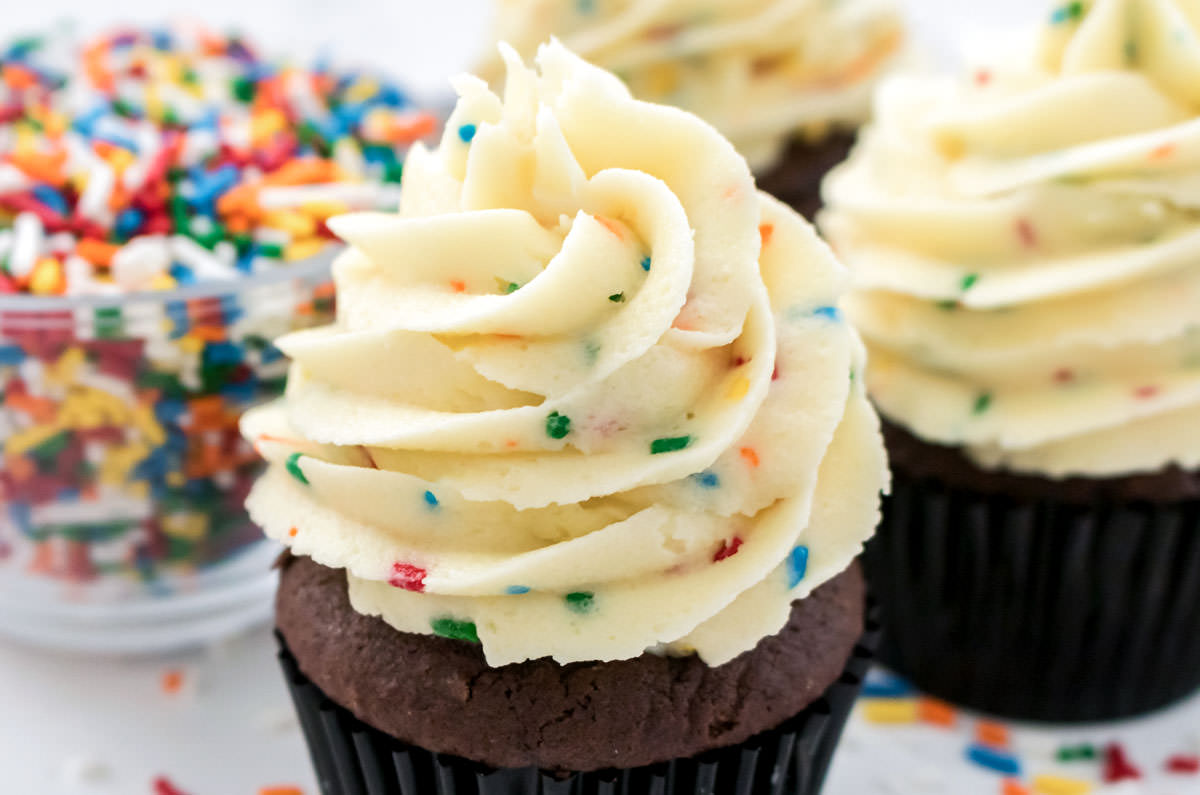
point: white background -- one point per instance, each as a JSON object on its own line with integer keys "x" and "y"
{"x": 72, "y": 726}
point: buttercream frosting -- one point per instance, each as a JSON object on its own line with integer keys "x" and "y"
{"x": 1026, "y": 247}
{"x": 587, "y": 394}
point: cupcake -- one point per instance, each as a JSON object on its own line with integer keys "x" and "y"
{"x": 574, "y": 487}
{"x": 1028, "y": 279}
{"x": 787, "y": 82}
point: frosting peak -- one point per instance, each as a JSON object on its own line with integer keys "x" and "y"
{"x": 1158, "y": 38}
{"x": 587, "y": 394}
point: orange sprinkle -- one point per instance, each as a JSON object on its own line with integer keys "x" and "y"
{"x": 43, "y": 166}
{"x": 766, "y": 231}
{"x": 611, "y": 226}
{"x": 18, "y": 77}
{"x": 411, "y": 127}
{"x": 1163, "y": 152}
{"x": 1146, "y": 392}
{"x": 458, "y": 285}
{"x": 936, "y": 712}
{"x": 281, "y": 791}
{"x": 303, "y": 171}
{"x": 983, "y": 77}
{"x": 1014, "y": 787}
{"x": 993, "y": 734}
{"x": 96, "y": 251}
{"x": 292, "y": 533}
{"x": 750, "y": 456}
{"x": 172, "y": 681}
{"x": 511, "y": 443}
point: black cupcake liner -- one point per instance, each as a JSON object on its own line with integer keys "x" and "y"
{"x": 1037, "y": 609}
{"x": 351, "y": 758}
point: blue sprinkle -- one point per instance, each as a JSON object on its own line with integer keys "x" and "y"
{"x": 21, "y": 515}
{"x": 169, "y": 410}
{"x": 467, "y": 133}
{"x": 997, "y": 761}
{"x": 708, "y": 480}
{"x": 128, "y": 221}
{"x": 646, "y": 263}
{"x": 828, "y": 312}
{"x": 51, "y": 198}
{"x": 885, "y": 686}
{"x": 516, "y": 590}
{"x": 182, "y": 273}
{"x": 797, "y": 566}
{"x": 210, "y": 186}
{"x": 85, "y": 123}
{"x": 11, "y": 355}
{"x": 431, "y": 499}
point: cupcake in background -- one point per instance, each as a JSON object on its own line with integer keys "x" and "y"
{"x": 787, "y": 82}
{"x": 1027, "y": 255}
{"x": 577, "y": 481}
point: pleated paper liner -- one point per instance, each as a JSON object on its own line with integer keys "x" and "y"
{"x": 352, "y": 758}
{"x": 1038, "y": 610}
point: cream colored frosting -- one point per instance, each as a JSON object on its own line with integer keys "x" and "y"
{"x": 1026, "y": 244}
{"x": 759, "y": 70}
{"x": 587, "y": 394}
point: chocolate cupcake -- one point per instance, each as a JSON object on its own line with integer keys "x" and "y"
{"x": 788, "y": 83}
{"x": 1027, "y": 284}
{"x": 576, "y": 482}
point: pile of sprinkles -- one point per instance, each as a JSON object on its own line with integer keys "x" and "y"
{"x": 1067, "y": 768}
{"x": 163, "y": 204}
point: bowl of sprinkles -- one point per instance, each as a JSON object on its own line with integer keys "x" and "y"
{"x": 163, "y": 199}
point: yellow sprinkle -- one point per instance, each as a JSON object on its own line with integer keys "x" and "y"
{"x": 1058, "y": 785}
{"x": 891, "y": 710}
{"x": 739, "y": 388}
{"x": 362, "y": 90}
{"x": 25, "y": 440}
{"x": 163, "y": 282}
{"x": 26, "y": 140}
{"x": 187, "y": 526}
{"x": 176, "y": 479}
{"x": 952, "y": 147}
{"x": 190, "y": 343}
{"x": 47, "y": 277}
{"x": 325, "y": 209}
{"x": 296, "y": 223}
{"x": 120, "y": 159}
{"x": 144, "y": 421}
{"x": 55, "y": 124}
{"x": 265, "y": 124}
{"x": 303, "y": 249}
{"x": 65, "y": 369}
{"x": 662, "y": 80}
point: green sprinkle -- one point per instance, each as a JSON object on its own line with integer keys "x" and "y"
{"x": 243, "y": 89}
{"x": 293, "y": 468}
{"x": 1067, "y": 13}
{"x": 272, "y": 250}
{"x": 947, "y": 306}
{"x": 394, "y": 172}
{"x": 969, "y": 281}
{"x": 557, "y": 425}
{"x": 1131, "y": 52}
{"x": 617, "y": 298}
{"x": 580, "y": 602}
{"x": 454, "y": 629}
{"x": 512, "y": 288}
{"x": 669, "y": 444}
{"x": 179, "y": 215}
{"x": 982, "y": 403}
{"x": 1076, "y": 753}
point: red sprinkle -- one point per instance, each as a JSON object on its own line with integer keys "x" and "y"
{"x": 1064, "y": 376}
{"x": 1146, "y": 392}
{"x": 983, "y": 77}
{"x": 1184, "y": 763}
{"x": 1027, "y": 233}
{"x": 408, "y": 577}
{"x": 728, "y": 549}
{"x": 1117, "y": 766}
{"x": 163, "y": 786}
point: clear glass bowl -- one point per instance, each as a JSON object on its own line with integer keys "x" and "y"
{"x": 122, "y": 472}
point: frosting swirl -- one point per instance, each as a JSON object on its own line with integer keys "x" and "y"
{"x": 1026, "y": 246}
{"x": 759, "y": 70}
{"x": 587, "y": 394}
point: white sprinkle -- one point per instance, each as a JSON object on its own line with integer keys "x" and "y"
{"x": 199, "y": 145}
{"x": 140, "y": 260}
{"x": 93, "y": 203}
{"x": 359, "y": 196}
{"x": 204, "y": 264}
{"x": 226, "y": 252}
{"x": 13, "y": 179}
{"x": 80, "y": 275}
{"x": 348, "y": 156}
{"x": 30, "y": 236}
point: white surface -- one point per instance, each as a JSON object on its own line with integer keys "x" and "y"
{"x": 98, "y": 726}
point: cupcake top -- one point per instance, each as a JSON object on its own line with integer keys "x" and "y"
{"x": 588, "y": 394}
{"x": 149, "y": 159}
{"x": 760, "y": 70}
{"x": 1027, "y": 248}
